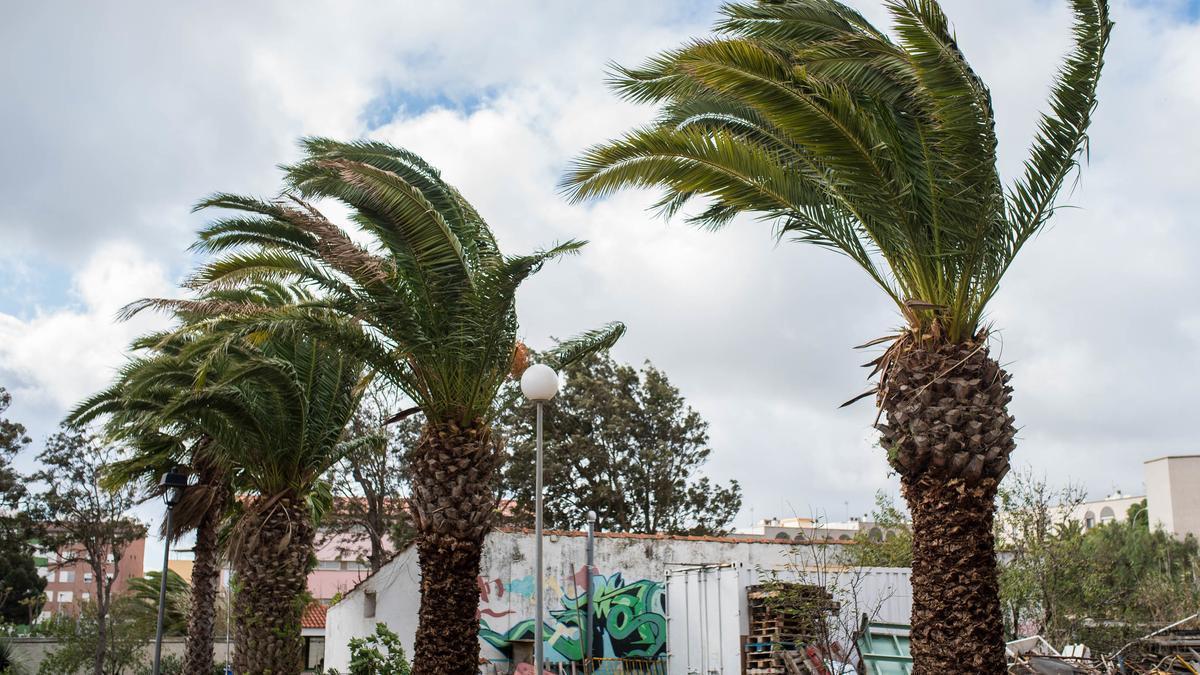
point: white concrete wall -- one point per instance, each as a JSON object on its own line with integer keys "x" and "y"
{"x": 1158, "y": 494}
{"x": 397, "y": 589}
{"x": 628, "y": 591}
{"x": 1173, "y": 492}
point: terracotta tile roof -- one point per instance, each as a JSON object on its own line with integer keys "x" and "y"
{"x": 746, "y": 539}
{"x": 314, "y": 616}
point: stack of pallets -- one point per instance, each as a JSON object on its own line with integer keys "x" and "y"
{"x": 783, "y": 618}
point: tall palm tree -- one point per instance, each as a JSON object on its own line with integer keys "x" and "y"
{"x": 275, "y": 405}
{"x": 138, "y": 411}
{"x": 805, "y": 115}
{"x": 429, "y": 304}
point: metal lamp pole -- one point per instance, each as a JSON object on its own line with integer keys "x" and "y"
{"x": 539, "y": 383}
{"x": 173, "y": 482}
{"x": 591, "y": 608}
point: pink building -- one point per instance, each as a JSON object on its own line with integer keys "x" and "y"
{"x": 341, "y": 564}
{"x": 69, "y": 584}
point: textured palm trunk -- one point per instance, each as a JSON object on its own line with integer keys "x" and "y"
{"x": 271, "y": 562}
{"x": 206, "y": 579}
{"x": 949, "y": 436}
{"x": 453, "y": 501}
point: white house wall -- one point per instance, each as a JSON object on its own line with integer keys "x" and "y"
{"x": 629, "y": 593}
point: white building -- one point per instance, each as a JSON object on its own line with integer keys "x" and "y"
{"x": 1173, "y": 494}
{"x": 1112, "y": 509}
{"x": 630, "y": 588}
{"x": 813, "y": 529}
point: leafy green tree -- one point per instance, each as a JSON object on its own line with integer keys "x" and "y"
{"x": 1042, "y": 547}
{"x": 624, "y": 444}
{"x": 21, "y": 587}
{"x": 1134, "y": 576}
{"x": 369, "y": 484}
{"x": 893, "y": 549}
{"x": 429, "y": 305}
{"x": 86, "y": 523}
{"x": 378, "y": 654}
{"x": 122, "y": 634}
{"x": 805, "y": 115}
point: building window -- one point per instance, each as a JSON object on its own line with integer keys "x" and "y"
{"x": 369, "y": 604}
{"x": 85, "y": 596}
{"x": 66, "y": 576}
{"x": 876, "y": 534}
{"x": 782, "y": 535}
{"x": 87, "y": 576}
{"x": 49, "y": 596}
{"x": 65, "y": 596}
{"x": 329, "y": 565}
{"x": 1089, "y": 520}
{"x": 1107, "y": 515}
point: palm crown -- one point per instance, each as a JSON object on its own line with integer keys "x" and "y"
{"x": 429, "y": 303}
{"x": 271, "y": 407}
{"x": 805, "y": 114}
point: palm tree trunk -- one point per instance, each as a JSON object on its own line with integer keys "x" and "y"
{"x": 271, "y": 561}
{"x": 453, "y": 501}
{"x": 949, "y": 436}
{"x": 206, "y": 578}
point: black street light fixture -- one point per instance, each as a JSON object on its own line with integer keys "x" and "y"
{"x": 173, "y": 483}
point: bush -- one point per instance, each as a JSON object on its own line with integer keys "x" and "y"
{"x": 379, "y": 654}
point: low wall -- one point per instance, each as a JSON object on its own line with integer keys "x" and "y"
{"x": 31, "y": 651}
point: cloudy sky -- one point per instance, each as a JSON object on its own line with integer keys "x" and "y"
{"x": 117, "y": 117}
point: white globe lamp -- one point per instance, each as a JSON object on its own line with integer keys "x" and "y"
{"x": 539, "y": 382}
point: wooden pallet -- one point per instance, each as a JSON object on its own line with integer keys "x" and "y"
{"x": 777, "y": 634}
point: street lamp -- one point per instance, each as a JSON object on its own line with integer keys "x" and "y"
{"x": 591, "y": 608}
{"x": 539, "y": 383}
{"x": 172, "y": 483}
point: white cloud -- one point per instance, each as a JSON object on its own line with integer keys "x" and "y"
{"x": 52, "y": 360}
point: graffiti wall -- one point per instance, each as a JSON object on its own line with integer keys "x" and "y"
{"x": 628, "y": 595}
{"x": 629, "y": 616}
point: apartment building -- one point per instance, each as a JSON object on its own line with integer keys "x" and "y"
{"x": 70, "y": 582}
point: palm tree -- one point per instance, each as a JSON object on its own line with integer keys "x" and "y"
{"x": 805, "y": 115}
{"x": 275, "y": 405}
{"x": 428, "y": 304}
{"x": 137, "y": 409}
{"x": 143, "y": 595}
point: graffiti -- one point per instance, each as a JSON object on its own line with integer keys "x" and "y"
{"x": 630, "y": 621}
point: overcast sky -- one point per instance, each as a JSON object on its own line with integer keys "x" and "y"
{"x": 117, "y": 117}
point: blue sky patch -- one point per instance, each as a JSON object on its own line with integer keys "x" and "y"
{"x": 394, "y": 102}
{"x": 30, "y": 285}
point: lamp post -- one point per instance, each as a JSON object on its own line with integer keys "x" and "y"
{"x": 173, "y": 483}
{"x": 591, "y": 608}
{"x": 539, "y": 383}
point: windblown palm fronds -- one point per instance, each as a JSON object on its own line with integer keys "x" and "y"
{"x": 805, "y": 115}
{"x": 429, "y": 302}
